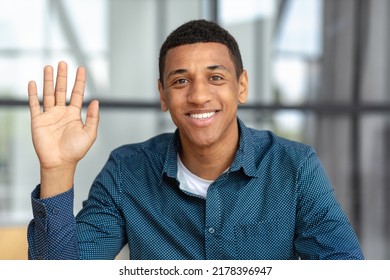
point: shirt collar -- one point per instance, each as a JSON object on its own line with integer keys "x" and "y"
{"x": 170, "y": 164}
{"x": 244, "y": 158}
{"x": 245, "y": 155}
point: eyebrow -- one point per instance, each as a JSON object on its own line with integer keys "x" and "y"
{"x": 212, "y": 67}
{"x": 218, "y": 67}
{"x": 177, "y": 71}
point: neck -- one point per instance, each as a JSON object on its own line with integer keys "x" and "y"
{"x": 211, "y": 161}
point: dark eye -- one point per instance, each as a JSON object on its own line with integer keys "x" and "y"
{"x": 181, "y": 81}
{"x": 216, "y": 78}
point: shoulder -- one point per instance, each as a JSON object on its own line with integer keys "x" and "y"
{"x": 272, "y": 140}
{"x": 276, "y": 149}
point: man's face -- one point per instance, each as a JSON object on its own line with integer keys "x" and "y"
{"x": 201, "y": 92}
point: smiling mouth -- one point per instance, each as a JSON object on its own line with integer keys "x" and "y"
{"x": 202, "y": 115}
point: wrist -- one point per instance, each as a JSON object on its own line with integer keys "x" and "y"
{"x": 57, "y": 180}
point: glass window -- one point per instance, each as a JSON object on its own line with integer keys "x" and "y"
{"x": 317, "y": 70}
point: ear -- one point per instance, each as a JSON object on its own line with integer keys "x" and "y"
{"x": 243, "y": 87}
{"x": 163, "y": 103}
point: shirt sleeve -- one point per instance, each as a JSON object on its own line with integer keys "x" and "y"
{"x": 322, "y": 230}
{"x": 101, "y": 229}
{"x": 97, "y": 232}
{"x": 52, "y": 232}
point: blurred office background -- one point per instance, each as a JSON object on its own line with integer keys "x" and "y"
{"x": 319, "y": 74}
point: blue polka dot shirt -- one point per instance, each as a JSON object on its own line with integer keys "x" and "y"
{"x": 274, "y": 202}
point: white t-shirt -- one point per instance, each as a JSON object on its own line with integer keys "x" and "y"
{"x": 191, "y": 183}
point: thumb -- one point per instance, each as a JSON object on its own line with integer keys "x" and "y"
{"x": 92, "y": 120}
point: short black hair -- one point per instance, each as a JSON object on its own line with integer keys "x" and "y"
{"x": 200, "y": 31}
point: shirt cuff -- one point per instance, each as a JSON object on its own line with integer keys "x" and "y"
{"x": 45, "y": 207}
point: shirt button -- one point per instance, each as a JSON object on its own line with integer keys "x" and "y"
{"x": 55, "y": 211}
{"x": 41, "y": 214}
{"x": 211, "y": 230}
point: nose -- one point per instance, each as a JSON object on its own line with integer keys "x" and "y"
{"x": 199, "y": 92}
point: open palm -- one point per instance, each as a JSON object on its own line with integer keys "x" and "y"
{"x": 59, "y": 135}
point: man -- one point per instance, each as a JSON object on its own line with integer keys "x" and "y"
{"x": 214, "y": 189}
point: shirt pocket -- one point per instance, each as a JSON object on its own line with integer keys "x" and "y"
{"x": 270, "y": 239}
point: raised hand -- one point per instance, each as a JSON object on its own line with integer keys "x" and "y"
{"x": 60, "y": 137}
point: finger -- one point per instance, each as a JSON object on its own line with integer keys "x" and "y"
{"x": 48, "y": 88}
{"x": 92, "y": 120}
{"x": 61, "y": 83}
{"x": 33, "y": 100}
{"x": 78, "y": 88}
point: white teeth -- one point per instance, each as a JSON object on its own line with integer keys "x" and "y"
{"x": 202, "y": 116}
